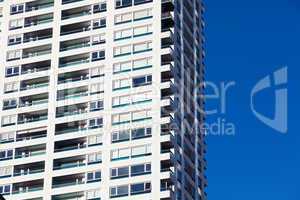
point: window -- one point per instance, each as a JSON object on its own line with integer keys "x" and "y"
{"x": 9, "y": 104}
{"x": 96, "y": 123}
{"x": 10, "y": 87}
{"x": 139, "y": 188}
{"x": 123, "y": 3}
{"x": 142, "y": 30}
{"x": 94, "y": 140}
{"x": 95, "y": 158}
{"x": 122, "y": 50}
{"x": 98, "y": 39}
{"x": 141, "y": 151}
{"x": 15, "y": 24}
{"x": 137, "y": 2}
{"x": 100, "y": 7}
{"x": 141, "y": 97}
{"x": 5, "y": 137}
{"x": 93, "y": 194}
{"x": 98, "y": 55}
{"x": 96, "y": 105}
{"x": 121, "y": 101}
{"x": 12, "y": 71}
{"x": 141, "y": 47}
{"x": 140, "y": 81}
{"x": 140, "y": 169}
{"x": 123, "y": 34}
{"x": 93, "y": 176}
{"x": 9, "y": 120}
{"x": 14, "y": 9}
{"x": 142, "y": 14}
{"x": 121, "y": 84}
{"x": 6, "y": 154}
{"x": 120, "y": 136}
{"x": 122, "y": 67}
{"x": 97, "y": 71}
{"x": 13, "y": 55}
{"x": 123, "y": 18}
{"x": 5, "y": 189}
{"x": 141, "y": 115}
{"x": 142, "y": 63}
{"x": 121, "y": 118}
{"x": 141, "y": 133}
{"x": 119, "y": 191}
{"x": 96, "y": 88}
{"x": 5, "y": 171}
{"x": 120, "y": 172}
{"x": 14, "y": 39}
{"x": 118, "y": 154}
{"x": 99, "y": 23}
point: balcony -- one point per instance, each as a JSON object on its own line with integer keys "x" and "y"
{"x": 72, "y": 196}
{"x": 68, "y": 145}
{"x": 76, "y": 12}
{"x": 34, "y": 83}
{"x": 75, "y": 44}
{"x": 73, "y": 76}
{"x": 167, "y": 5}
{"x": 28, "y": 186}
{"x": 69, "y": 180}
{"x": 72, "y": 93}
{"x": 29, "y": 117}
{"x": 75, "y": 28}
{"x": 167, "y": 21}
{"x": 37, "y": 35}
{"x": 36, "y": 51}
{"x": 74, "y": 60}
{"x": 70, "y": 162}
{"x": 29, "y": 151}
{"x": 70, "y": 1}
{"x": 74, "y": 127}
{"x": 26, "y": 169}
{"x": 37, "y": 20}
{"x": 36, "y": 67}
{"x": 33, "y": 100}
{"x": 37, "y": 5}
{"x": 31, "y": 134}
{"x": 76, "y": 109}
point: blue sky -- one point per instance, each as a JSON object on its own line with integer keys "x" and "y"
{"x": 247, "y": 40}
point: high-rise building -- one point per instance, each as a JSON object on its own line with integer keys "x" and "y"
{"x": 101, "y": 99}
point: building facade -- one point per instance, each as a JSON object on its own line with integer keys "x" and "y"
{"x": 101, "y": 99}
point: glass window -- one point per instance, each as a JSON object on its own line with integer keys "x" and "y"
{"x": 6, "y": 154}
{"x": 143, "y": 80}
{"x": 9, "y": 120}
{"x": 140, "y": 169}
{"x": 97, "y": 71}
{"x": 7, "y": 136}
{"x": 141, "y": 14}
{"x": 99, "y": 23}
{"x": 13, "y": 55}
{"x": 95, "y": 139}
{"x": 141, "y": 30}
{"x": 95, "y": 123}
{"x": 15, "y": 39}
{"x": 93, "y": 194}
{"x": 142, "y": 47}
{"x": 14, "y": 9}
{"x": 100, "y": 7}
{"x": 9, "y": 103}
{"x": 15, "y": 24}
{"x": 120, "y": 153}
{"x": 98, "y": 55}
{"x": 96, "y": 105}
{"x": 121, "y": 190}
{"x": 93, "y": 176}
{"x": 123, "y": 18}
{"x": 11, "y": 87}
{"x": 120, "y": 136}
{"x": 122, "y": 50}
{"x": 141, "y": 150}
{"x": 96, "y": 88}
{"x": 122, "y": 67}
{"x": 122, "y": 34}
{"x": 94, "y": 157}
{"x": 119, "y": 172}
{"x": 122, "y": 83}
{"x": 122, "y": 3}
{"x": 140, "y": 188}
{"x": 98, "y": 39}
{"x": 5, "y": 189}
{"x": 141, "y": 63}
{"x": 12, "y": 71}
{"x": 140, "y": 133}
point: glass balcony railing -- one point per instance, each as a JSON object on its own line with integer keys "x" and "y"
{"x": 31, "y": 137}
{"x": 37, "y": 53}
{"x": 36, "y": 38}
{"x": 32, "y": 119}
{"x": 75, "y": 182}
{"x": 25, "y": 190}
{"x": 71, "y": 96}
{"x": 75, "y": 46}
{"x": 38, "y": 22}
{"x": 39, "y": 6}
{"x": 69, "y": 165}
{"x": 33, "y": 103}
{"x": 30, "y": 154}
{"x": 78, "y": 62}
{"x": 69, "y": 148}
{"x": 29, "y": 87}
{"x": 28, "y": 172}
{"x": 76, "y": 112}
{"x": 79, "y": 14}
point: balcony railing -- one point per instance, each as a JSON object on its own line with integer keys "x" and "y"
{"x": 74, "y": 63}
{"x": 32, "y": 119}
{"x": 28, "y": 172}
{"x": 30, "y": 154}
{"x": 38, "y": 7}
{"x": 75, "y": 147}
{"x": 38, "y": 22}
{"x": 28, "y": 87}
{"x": 33, "y": 103}
{"x": 32, "y": 189}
